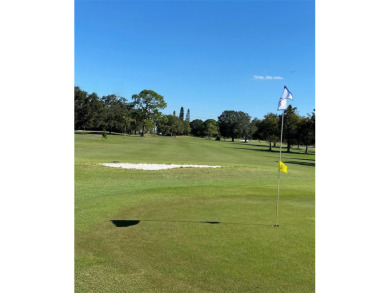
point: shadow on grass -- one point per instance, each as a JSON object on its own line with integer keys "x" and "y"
{"x": 313, "y": 160}
{"x": 125, "y": 223}
{"x": 128, "y": 223}
{"x": 210, "y": 222}
{"x": 266, "y": 146}
{"x": 266, "y": 149}
{"x": 85, "y": 132}
{"x": 299, "y": 163}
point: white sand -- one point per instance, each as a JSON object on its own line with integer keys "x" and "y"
{"x": 154, "y": 166}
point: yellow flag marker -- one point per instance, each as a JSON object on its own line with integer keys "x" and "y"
{"x": 282, "y": 167}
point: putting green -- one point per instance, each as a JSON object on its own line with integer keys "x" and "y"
{"x": 192, "y": 230}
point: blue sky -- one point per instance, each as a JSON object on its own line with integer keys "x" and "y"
{"x": 208, "y": 56}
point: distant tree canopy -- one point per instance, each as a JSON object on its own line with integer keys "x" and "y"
{"x": 197, "y": 127}
{"x": 117, "y": 111}
{"x": 173, "y": 125}
{"x": 148, "y": 103}
{"x": 210, "y": 128}
{"x": 232, "y": 123}
{"x": 267, "y": 128}
{"x": 306, "y": 131}
{"x": 170, "y": 125}
{"x": 244, "y": 121}
{"x": 291, "y": 120}
{"x": 142, "y": 115}
{"x": 81, "y": 108}
{"x": 93, "y": 113}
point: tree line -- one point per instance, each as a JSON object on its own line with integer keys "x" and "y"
{"x": 142, "y": 115}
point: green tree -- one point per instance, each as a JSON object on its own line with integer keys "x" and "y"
{"x": 298, "y": 134}
{"x": 306, "y": 130}
{"x": 95, "y": 116}
{"x": 186, "y": 127}
{"x": 135, "y": 122}
{"x": 175, "y": 125}
{"x": 313, "y": 125}
{"x": 244, "y": 122}
{"x": 291, "y": 119}
{"x": 93, "y": 112}
{"x": 225, "y": 123}
{"x": 210, "y": 127}
{"x": 118, "y": 113}
{"x": 81, "y": 108}
{"x": 188, "y": 116}
{"x": 109, "y": 102}
{"x": 148, "y": 103}
{"x": 180, "y": 127}
{"x": 149, "y": 126}
{"x": 268, "y": 128}
{"x": 162, "y": 125}
{"x": 230, "y": 124}
{"x": 197, "y": 127}
{"x": 256, "y": 129}
{"x": 181, "y": 115}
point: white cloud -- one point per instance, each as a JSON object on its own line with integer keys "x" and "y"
{"x": 260, "y": 77}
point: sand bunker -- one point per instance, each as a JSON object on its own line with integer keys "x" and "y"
{"x": 154, "y": 166}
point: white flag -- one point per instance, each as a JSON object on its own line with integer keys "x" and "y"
{"x": 283, "y": 99}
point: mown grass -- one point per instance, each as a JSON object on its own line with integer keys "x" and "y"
{"x": 199, "y": 230}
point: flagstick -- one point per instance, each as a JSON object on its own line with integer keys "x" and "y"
{"x": 280, "y": 159}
